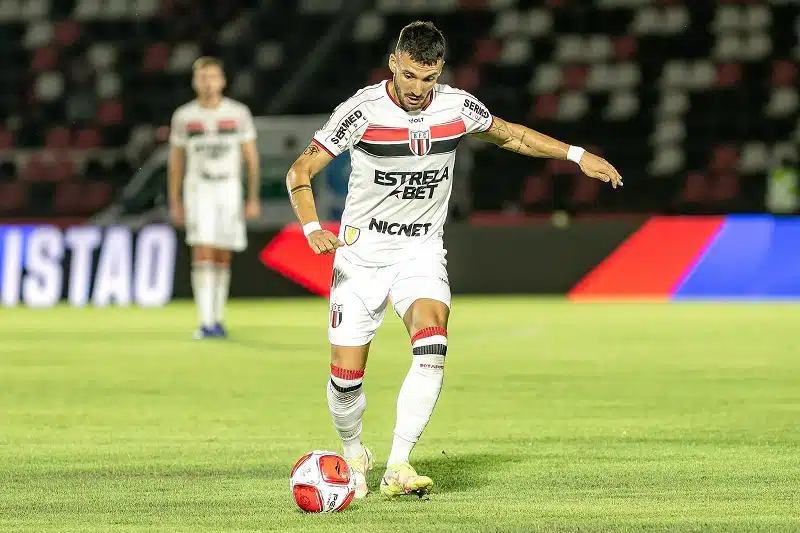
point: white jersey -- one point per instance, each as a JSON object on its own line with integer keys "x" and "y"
{"x": 402, "y": 169}
{"x": 213, "y": 140}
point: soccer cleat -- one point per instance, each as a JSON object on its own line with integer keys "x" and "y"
{"x": 204, "y": 332}
{"x": 359, "y": 466}
{"x": 402, "y": 479}
{"x": 220, "y": 331}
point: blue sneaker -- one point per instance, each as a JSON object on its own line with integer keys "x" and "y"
{"x": 204, "y": 333}
{"x": 220, "y": 331}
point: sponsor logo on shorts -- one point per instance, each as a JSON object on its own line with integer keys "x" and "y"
{"x": 396, "y": 228}
{"x": 351, "y": 235}
{"x": 419, "y": 185}
{"x": 337, "y": 277}
{"x": 336, "y": 315}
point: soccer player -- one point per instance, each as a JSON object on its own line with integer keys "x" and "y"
{"x": 210, "y": 135}
{"x": 402, "y": 135}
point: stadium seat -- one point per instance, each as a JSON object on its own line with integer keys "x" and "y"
{"x": 584, "y": 194}
{"x": 661, "y": 86}
{"x": 44, "y": 59}
{"x": 35, "y": 170}
{"x": 63, "y": 169}
{"x": 12, "y": 198}
{"x": 58, "y": 138}
{"x": 6, "y": 139}
{"x": 695, "y": 190}
{"x": 724, "y": 189}
{"x": 68, "y": 198}
{"x": 537, "y": 192}
{"x": 87, "y": 138}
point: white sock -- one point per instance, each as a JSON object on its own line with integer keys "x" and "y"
{"x": 203, "y": 289}
{"x": 347, "y": 403}
{"x": 419, "y": 392}
{"x": 222, "y": 282}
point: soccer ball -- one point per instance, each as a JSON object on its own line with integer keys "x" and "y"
{"x": 321, "y": 482}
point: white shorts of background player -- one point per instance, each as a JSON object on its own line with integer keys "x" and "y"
{"x": 360, "y": 294}
{"x": 215, "y": 216}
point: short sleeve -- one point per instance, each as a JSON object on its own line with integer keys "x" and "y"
{"x": 248, "y": 126}
{"x": 476, "y": 116}
{"x": 177, "y": 130}
{"x": 344, "y": 127}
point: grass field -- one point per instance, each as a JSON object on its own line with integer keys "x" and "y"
{"x": 554, "y": 417}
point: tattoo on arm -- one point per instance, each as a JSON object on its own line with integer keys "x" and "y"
{"x": 311, "y": 150}
{"x": 299, "y": 188}
{"x": 521, "y": 142}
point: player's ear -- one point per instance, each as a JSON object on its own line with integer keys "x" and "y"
{"x": 393, "y": 63}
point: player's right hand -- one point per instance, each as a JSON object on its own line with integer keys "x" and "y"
{"x": 176, "y": 212}
{"x": 323, "y": 242}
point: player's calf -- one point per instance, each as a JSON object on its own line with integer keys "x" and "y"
{"x": 222, "y": 282}
{"x": 347, "y": 403}
{"x": 419, "y": 392}
{"x": 203, "y": 290}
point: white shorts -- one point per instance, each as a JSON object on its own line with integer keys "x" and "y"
{"x": 215, "y": 217}
{"x": 359, "y": 294}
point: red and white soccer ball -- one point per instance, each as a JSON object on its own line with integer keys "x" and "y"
{"x": 321, "y": 482}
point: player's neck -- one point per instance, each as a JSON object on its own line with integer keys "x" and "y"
{"x": 211, "y": 102}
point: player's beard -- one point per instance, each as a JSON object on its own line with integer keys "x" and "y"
{"x": 401, "y": 97}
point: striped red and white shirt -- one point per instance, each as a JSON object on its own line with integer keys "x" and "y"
{"x": 402, "y": 169}
{"x": 213, "y": 140}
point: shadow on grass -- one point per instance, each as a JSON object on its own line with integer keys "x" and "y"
{"x": 453, "y": 473}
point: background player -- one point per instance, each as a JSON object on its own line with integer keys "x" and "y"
{"x": 210, "y": 135}
{"x": 402, "y": 135}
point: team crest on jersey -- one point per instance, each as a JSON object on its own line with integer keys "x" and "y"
{"x": 351, "y": 235}
{"x": 420, "y": 141}
{"x": 336, "y": 315}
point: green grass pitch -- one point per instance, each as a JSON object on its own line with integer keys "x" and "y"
{"x": 554, "y": 417}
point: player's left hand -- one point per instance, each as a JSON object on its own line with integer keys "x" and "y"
{"x": 252, "y": 209}
{"x": 598, "y": 168}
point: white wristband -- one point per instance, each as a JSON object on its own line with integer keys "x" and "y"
{"x": 575, "y": 153}
{"x": 311, "y": 227}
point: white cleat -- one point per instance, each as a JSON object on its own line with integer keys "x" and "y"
{"x": 359, "y": 466}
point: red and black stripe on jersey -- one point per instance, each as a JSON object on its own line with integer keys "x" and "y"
{"x": 195, "y": 128}
{"x": 386, "y": 141}
{"x": 227, "y": 126}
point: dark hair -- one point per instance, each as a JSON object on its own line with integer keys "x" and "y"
{"x": 423, "y": 42}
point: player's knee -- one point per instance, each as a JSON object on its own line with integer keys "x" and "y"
{"x": 202, "y": 254}
{"x": 222, "y": 258}
{"x": 426, "y": 313}
{"x": 349, "y": 357}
